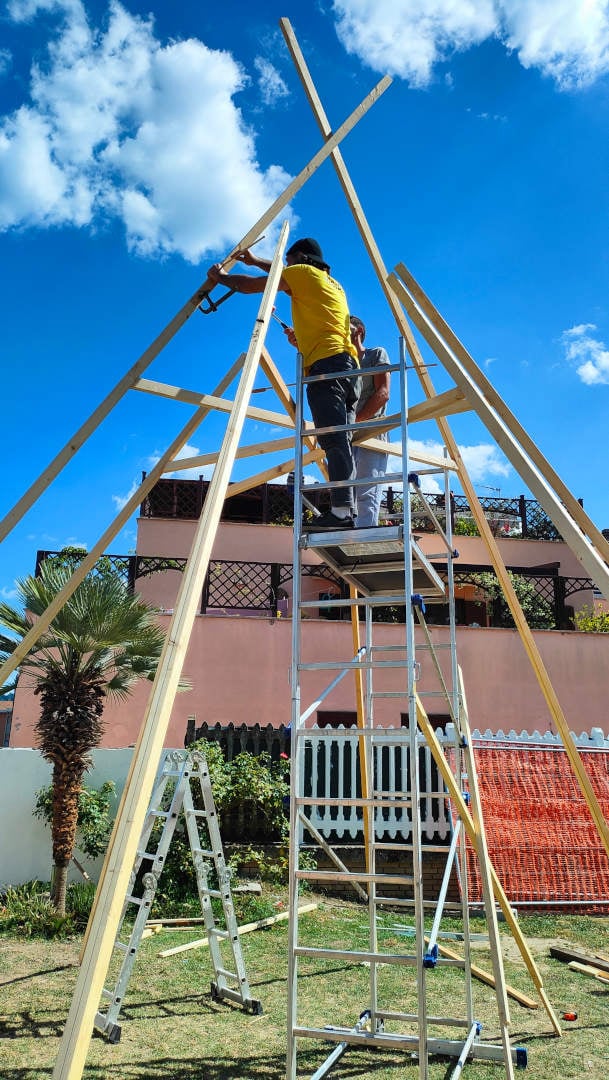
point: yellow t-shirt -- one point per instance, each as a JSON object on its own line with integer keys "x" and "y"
{"x": 319, "y": 313}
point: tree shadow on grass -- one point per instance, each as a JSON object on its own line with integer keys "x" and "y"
{"x": 356, "y": 1065}
{"x": 36, "y": 974}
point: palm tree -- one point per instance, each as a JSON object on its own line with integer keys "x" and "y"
{"x": 101, "y": 642}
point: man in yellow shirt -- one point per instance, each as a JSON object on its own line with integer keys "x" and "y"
{"x": 320, "y": 315}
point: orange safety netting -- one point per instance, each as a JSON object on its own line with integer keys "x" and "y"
{"x": 542, "y": 840}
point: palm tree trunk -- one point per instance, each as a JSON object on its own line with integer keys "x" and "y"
{"x": 67, "y": 783}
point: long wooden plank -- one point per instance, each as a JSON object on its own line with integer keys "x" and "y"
{"x": 481, "y": 847}
{"x": 516, "y": 428}
{"x": 247, "y": 928}
{"x": 74, "y": 1044}
{"x": 567, "y": 953}
{"x": 493, "y": 420}
{"x": 588, "y": 969}
{"x": 271, "y": 474}
{"x": 446, "y": 404}
{"x": 463, "y": 811}
{"x": 253, "y": 450}
{"x": 513, "y": 603}
{"x": 489, "y": 979}
{"x": 130, "y": 507}
{"x": 211, "y": 401}
{"x": 128, "y": 381}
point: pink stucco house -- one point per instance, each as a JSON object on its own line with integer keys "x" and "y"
{"x": 239, "y": 657}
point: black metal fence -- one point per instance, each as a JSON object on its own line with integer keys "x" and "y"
{"x": 248, "y": 586}
{"x": 273, "y": 504}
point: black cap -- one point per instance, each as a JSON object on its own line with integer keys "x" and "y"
{"x": 310, "y": 251}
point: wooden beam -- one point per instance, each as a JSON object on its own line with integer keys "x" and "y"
{"x": 98, "y": 549}
{"x": 271, "y": 474}
{"x": 489, "y": 980}
{"x": 492, "y": 418}
{"x": 128, "y": 381}
{"x": 210, "y": 401}
{"x": 255, "y": 449}
{"x": 451, "y": 401}
{"x": 454, "y": 789}
{"x": 247, "y": 928}
{"x": 482, "y": 382}
{"x": 128, "y": 826}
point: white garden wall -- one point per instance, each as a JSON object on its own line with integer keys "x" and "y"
{"x": 25, "y": 841}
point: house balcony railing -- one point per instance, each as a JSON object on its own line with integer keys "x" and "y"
{"x": 272, "y": 504}
{"x": 248, "y": 588}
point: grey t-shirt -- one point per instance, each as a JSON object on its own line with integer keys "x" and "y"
{"x": 372, "y": 358}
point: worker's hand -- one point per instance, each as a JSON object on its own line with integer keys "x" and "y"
{"x": 216, "y": 273}
{"x": 291, "y": 336}
{"x": 245, "y": 256}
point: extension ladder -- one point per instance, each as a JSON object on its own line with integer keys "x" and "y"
{"x": 172, "y": 794}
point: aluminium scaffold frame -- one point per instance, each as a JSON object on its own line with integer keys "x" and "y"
{"x": 384, "y": 566}
{"x": 472, "y": 391}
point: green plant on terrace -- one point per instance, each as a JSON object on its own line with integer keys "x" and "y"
{"x": 592, "y": 620}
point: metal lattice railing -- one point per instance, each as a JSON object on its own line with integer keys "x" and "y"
{"x": 241, "y": 586}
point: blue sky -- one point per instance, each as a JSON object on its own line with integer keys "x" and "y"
{"x": 138, "y": 143}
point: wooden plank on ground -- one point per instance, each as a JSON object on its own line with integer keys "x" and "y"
{"x": 487, "y": 977}
{"x": 566, "y": 953}
{"x": 247, "y": 928}
{"x": 588, "y": 969}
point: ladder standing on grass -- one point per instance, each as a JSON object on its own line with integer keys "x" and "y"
{"x": 173, "y": 794}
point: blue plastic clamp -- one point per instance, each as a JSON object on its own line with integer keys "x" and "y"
{"x": 522, "y": 1058}
{"x": 430, "y": 958}
{"x": 418, "y": 601}
{"x": 413, "y": 478}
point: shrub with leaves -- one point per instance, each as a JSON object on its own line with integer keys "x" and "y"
{"x": 94, "y": 816}
{"x": 538, "y": 612}
{"x": 27, "y": 910}
{"x": 592, "y": 620}
{"x": 249, "y": 793}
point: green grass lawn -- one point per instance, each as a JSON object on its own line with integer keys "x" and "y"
{"x": 171, "y": 1027}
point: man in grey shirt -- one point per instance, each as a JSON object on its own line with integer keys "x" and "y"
{"x": 373, "y": 398}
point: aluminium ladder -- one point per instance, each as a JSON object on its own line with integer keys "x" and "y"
{"x": 173, "y": 794}
{"x": 385, "y": 565}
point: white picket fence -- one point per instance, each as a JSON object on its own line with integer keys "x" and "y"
{"x": 331, "y": 770}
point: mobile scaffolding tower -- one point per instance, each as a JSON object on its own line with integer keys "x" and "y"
{"x": 387, "y": 566}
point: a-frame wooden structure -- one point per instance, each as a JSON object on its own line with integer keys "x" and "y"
{"x": 471, "y": 391}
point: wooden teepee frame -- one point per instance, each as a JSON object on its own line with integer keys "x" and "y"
{"x": 472, "y": 390}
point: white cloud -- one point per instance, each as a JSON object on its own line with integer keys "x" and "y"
{"x": 589, "y": 355}
{"x": 187, "y": 451}
{"x": 483, "y": 461}
{"x": 272, "y": 86}
{"x": 568, "y": 40}
{"x": 8, "y": 594}
{"x": 6, "y": 59}
{"x": 122, "y": 500}
{"x": 120, "y": 125}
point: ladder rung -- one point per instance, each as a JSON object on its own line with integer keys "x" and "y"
{"x": 357, "y": 955}
{"x": 137, "y": 900}
{"x": 346, "y": 875}
{"x": 227, "y": 974}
